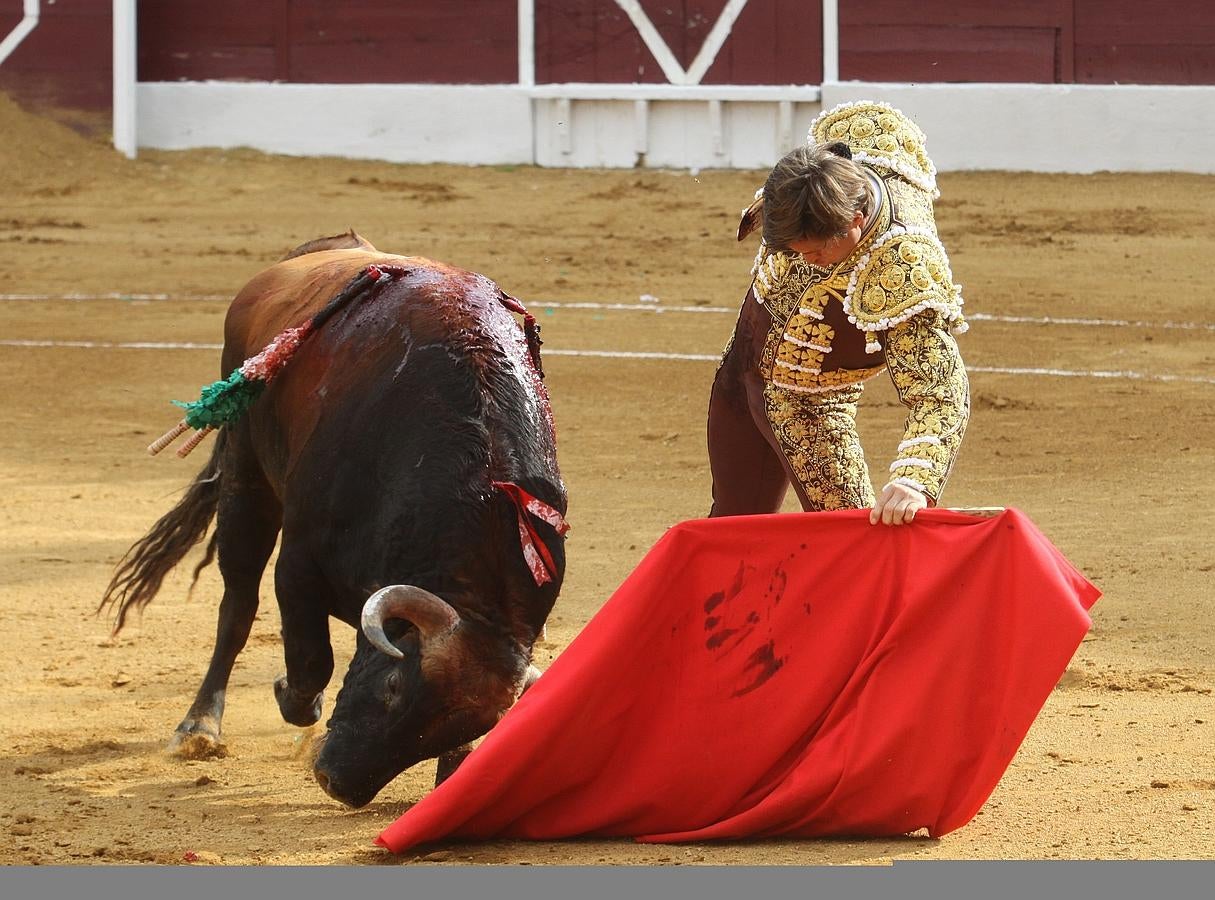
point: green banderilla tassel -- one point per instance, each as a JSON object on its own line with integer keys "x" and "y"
{"x": 223, "y": 402}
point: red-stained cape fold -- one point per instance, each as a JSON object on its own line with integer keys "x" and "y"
{"x": 797, "y": 674}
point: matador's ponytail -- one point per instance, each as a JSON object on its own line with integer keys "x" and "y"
{"x": 813, "y": 192}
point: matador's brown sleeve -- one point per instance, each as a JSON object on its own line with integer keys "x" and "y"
{"x": 928, "y": 374}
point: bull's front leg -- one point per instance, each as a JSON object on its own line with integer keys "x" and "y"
{"x": 450, "y": 761}
{"x": 302, "y": 708}
{"x": 306, "y": 649}
{"x": 531, "y": 677}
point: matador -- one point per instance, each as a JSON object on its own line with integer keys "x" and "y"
{"x": 813, "y": 329}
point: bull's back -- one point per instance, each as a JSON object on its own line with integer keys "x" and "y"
{"x": 359, "y": 370}
{"x": 289, "y": 293}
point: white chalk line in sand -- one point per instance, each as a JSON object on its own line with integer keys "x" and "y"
{"x": 114, "y": 345}
{"x": 972, "y": 317}
{"x": 634, "y": 354}
{"x": 655, "y": 308}
{"x": 139, "y": 298}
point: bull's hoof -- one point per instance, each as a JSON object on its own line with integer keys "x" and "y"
{"x": 194, "y": 740}
{"x": 449, "y": 762}
{"x": 296, "y": 708}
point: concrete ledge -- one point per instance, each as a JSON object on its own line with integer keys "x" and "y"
{"x": 1024, "y": 127}
{"x": 1054, "y": 127}
{"x": 465, "y": 124}
{"x": 676, "y": 133}
{"x": 798, "y": 93}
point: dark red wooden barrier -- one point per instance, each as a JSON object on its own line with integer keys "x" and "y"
{"x": 65, "y": 62}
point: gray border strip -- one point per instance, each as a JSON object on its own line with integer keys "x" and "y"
{"x": 981, "y": 880}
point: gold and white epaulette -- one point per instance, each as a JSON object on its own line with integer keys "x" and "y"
{"x": 768, "y": 270}
{"x": 905, "y": 272}
{"x": 880, "y": 135}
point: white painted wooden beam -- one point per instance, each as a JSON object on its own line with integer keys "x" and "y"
{"x": 641, "y": 126}
{"x": 742, "y": 93}
{"x": 125, "y": 73}
{"x": 527, "y": 43}
{"x": 716, "y": 128}
{"x": 662, "y": 53}
{"x": 831, "y": 41}
{"x": 653, "y": 40}
{"x": 29, "y": 21}
{"x": 784, "y": 127}
{"x": 565, "y": 129}
{"x": 712, "y": 45}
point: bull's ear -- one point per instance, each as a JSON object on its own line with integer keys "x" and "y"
{"x": 752, "y": 216}
{"x": 360, "y": 242}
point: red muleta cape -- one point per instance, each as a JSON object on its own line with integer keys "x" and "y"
{"x": 798, "y": 674}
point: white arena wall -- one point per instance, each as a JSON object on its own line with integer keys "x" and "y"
{"x": 1025, "y": 127}
{"x": 477, "y": 125}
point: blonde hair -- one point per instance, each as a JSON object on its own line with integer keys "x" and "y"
{"x": 813, "y": 192}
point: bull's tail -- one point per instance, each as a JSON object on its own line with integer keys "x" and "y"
{"x": 144, "y": 567}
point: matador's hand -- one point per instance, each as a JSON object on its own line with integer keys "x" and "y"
{"x": 897, "y": 505}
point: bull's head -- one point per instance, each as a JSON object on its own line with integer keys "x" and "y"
{"x": 437, "y": 686}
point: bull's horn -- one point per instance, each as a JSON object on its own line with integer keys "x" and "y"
{"x": 433, "y": 616}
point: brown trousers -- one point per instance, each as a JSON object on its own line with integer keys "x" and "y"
{"x": 752, "y": 467}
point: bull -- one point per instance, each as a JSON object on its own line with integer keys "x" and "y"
{"x": 396, "y": 461}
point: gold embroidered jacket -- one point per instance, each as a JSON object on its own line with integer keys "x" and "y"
{"x": 896, "y": 288}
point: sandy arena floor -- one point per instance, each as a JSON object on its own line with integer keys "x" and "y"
{"x": 1116, "y": 470}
